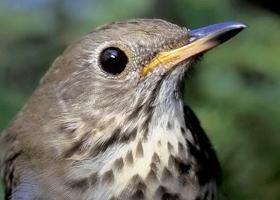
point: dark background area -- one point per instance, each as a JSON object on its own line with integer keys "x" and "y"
{"x": 235, "y": 90}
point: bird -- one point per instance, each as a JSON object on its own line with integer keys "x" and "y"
{"x": 108, "y": 122}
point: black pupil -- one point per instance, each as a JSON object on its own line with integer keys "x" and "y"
{"x": 113, "y": 60}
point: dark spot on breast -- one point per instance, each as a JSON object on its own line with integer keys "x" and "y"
{"x": 155, "y": 158}
{"x": 80, "y": 184}
{"x": 111, "y": 120}
{"x": 135, "y": 189}
{"x": 93, "y": 178}
{"x": 182, "y": 151}
{"x": 180, "y": 147}
{"x": 139, "y": 150}
{"x": 171, "y": 161}
{"x": 108, "y": 177}
{"x": 129, "y": 158}
{"x": 170, "y": 147}
{"x": 133, "y": 133}
{"x": 135, "y": 178}
{"x": 169, "y": 125}
{"x": 153, "y": 166}
{"x": 160, "y": 191}
{"x": 103, "y": 125}
{"x": 166, "y": 174}
{"x": 183, "y": 131}
{"x": 137, "y": 195}
{"x": 145, "y": 133}
{"x": 118, "y": 164}
{"x": 138, "y": 183}
{"x": 151, "y": 177}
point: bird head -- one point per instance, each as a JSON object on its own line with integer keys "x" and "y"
{"x": 120, "y": 66}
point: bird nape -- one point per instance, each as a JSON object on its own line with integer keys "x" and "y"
{"x": 107, "y": 121}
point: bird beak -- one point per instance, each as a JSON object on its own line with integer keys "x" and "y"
{"x": 200, "y": 40}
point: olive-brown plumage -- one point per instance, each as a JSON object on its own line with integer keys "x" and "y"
{"x": 107, "y": 120}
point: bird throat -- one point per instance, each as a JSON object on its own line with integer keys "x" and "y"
{"x": 148, "y": 165}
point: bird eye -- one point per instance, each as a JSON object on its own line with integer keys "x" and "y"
{"x": 113, "y": 60}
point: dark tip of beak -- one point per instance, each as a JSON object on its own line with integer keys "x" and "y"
{"x": 220, "y": 32}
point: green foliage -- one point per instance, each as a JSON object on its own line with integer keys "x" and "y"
{"x": 235, "y": 90}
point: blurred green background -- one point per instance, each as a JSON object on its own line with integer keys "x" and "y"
{"x": 235, "y": 90}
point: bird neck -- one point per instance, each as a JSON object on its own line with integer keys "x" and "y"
{"x": 150, "y": 156}
{"x": 153, "y": 158}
